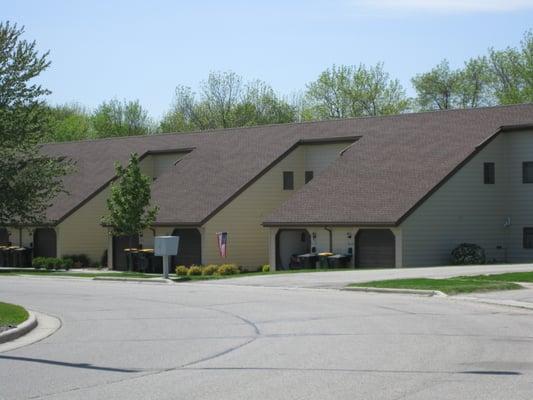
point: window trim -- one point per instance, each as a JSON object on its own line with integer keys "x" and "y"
{"x": 527, "y": 231}
{"x": 288, "y": 180}
{"x": 525, "y": 165}
{"x": 489, "y": 173}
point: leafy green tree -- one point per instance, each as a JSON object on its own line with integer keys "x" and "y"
{"x": 436, "y": 89}
{"x": 221, "y": 93}
{"x": 225, "y": 101}
{"x": 354, "y": 91}
{"x": 186, "y": 114}
{"x": 512, "y": 72}
{"x": 260, "y": 105}
{"x": 121, "y": 118}
{"x": 129, "y": 202}
{"x": 69, "y": 122}
{"x": 443, "y": 88}
{"x": 29, "y": 178}
{"x": 474, "y": 84}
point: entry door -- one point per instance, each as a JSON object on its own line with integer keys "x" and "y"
{"x": 190, "y": 247}
{"x": 44, "y": 242}
{"x": 375, "y": 248}
{"x": 119, "y": 256}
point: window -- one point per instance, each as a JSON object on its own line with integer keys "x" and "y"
{"x": 308, "y": 176}
{"x": 288, "y": 180}
{"x": 527, "y": 172}
{"x": 489, "y": 176}
{"x": 528, "y": 238}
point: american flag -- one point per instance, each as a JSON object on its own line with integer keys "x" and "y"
{"x": 222, "y": 239}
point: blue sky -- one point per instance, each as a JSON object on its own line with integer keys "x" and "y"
{"x": 143, "y": 49}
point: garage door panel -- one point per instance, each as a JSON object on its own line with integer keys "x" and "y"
{"x": 375, "y": 248}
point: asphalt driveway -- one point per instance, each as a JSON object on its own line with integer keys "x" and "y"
{"x": 193, "y": 341}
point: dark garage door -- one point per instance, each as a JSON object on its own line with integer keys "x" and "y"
{"x": 119, "y": 256}
{"x": 375, "y": 248}
{"x": 190, "y": 247}
{"x": 44, "y": 242}
{"x": 4, "y": 237}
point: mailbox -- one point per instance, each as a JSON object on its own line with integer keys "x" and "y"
{"x": 166, "y": 245}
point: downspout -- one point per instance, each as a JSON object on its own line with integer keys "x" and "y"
{"x": 330, "y": 239}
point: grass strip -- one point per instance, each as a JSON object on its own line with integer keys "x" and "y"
{"x": 454, "y": 285}
{"x": 11, "y": 314}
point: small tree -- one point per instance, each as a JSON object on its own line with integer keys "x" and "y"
{"x": 129, "y": 203}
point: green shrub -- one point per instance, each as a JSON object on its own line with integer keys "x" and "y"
{"x": 39, "y": 262}
{"x": 79, "y": 260}
{"x": 194, "y": 270}
{"x": 228, "y": 269}
{"x": 210, "y": 269}
{"x": 182, "y": 270}
{"x": 265, "y": 268}
{"x": 51, "y": 263}
{"x": 468, "y": 254}
{"x": 67, "y": 263}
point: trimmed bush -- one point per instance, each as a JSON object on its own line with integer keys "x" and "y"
{"x": 228, "y": 269}
{"x": 66, "y": 263}
{"x": 468, "y": 254}
{"x": 210, "y": 269}
{"x": 39, "y": 262}
{"x": 79, "y": 260}
{"x": 51, "y": 263}
{"x": 182, "y": 270}
{"x": 265, "y": 268}
{"x": 194, "y": 270}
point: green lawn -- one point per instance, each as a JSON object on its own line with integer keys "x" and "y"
{"x": 507, "y": 277}
{"x": 11, "y": 314}
{"x": 449, "y": 286}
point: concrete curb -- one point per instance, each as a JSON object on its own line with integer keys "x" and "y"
{"x": 428, "y": 293}
{"x": 46, "y": 326}
{"x": 136, "y": 280}
{"x": 19, "y": 330}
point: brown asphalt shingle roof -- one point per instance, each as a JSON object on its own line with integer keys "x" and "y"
{"x": 386, "y": 172}
{"x": 394, "y": 165}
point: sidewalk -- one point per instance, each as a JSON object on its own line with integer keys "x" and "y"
{"x": 339, "y": 279}
{"x": 514, "y": 298}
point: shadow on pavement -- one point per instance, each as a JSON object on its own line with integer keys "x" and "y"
{"x": 67, "y": 364}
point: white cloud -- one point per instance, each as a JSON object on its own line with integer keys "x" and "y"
{"x": 448, "y": 6}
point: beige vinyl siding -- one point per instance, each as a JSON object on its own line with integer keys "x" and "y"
{"x": 147, "y": 166}
{"x": 82, "y": 233}
{"x": 163, "y": 162}
{"x": 319, "y": 156}
{"x": 248, "y": 241}
{"x": 464, "y": 209}
{"x": 519, "y": 196}
{"x": 242, "y": 218}
{"x": 154, "y": 165}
